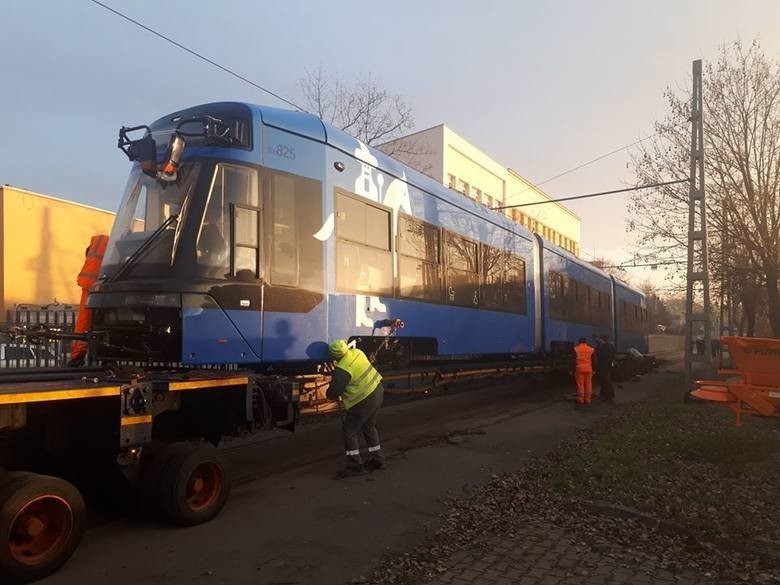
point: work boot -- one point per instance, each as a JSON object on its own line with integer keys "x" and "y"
{"x": 376, "y": 464}
{"x": 351, "y": 471}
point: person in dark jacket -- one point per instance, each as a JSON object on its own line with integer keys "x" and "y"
{"x": 359, "y": 387}
{"x": 605, "y": 357}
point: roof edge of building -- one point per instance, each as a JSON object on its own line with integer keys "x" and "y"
{"x": 415, "y": 133}
{"x": 51, "y": 197}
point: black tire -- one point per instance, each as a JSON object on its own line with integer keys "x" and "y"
{"x": 155, "y": 456}
{"x": 55, "y": 521}
{"x": 180, "y": 500}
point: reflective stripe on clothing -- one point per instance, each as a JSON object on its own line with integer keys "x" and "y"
{"x": 363, "y": 377}
{"x": 353, "y": 452}
{"x": 584, "y": 356}
{"x": 374, "y": 448}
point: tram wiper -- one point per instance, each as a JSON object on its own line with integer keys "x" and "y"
{"x": 148, "y": 244}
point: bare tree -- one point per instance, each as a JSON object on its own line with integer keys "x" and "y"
{"x": 742, "y": 157}
{"x": 611, "y": 267}
{"x": 367, "y": 112}
{"x": 362, "y": 108}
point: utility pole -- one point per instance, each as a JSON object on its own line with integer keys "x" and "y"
{"x": 698, "y": 282}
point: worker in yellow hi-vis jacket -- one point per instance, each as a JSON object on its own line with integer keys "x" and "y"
{"x": 359, "y": 386}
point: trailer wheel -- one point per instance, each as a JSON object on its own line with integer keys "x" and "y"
{"x": 194, "y": 486}
{"x": 155, "y": 457}
{"x": 42, "y": 520}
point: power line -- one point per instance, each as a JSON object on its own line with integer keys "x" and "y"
{"x": 595, "y": 160}
{"x": 664, "y": 263}
{"x": 199, "y": 56}
{"x": 580, "y": 166}
{"x": 599, "y": 194}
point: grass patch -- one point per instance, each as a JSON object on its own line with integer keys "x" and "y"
{"x": 683, "y": 462}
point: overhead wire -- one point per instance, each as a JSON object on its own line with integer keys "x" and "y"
{"x": 588, "y": 195}
{"x": 199, "y": 55}
{"x": 580, "y": 166}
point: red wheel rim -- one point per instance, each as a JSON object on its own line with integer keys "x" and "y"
{"x": 40, "y": 530}
{"x": 204, "y": 486}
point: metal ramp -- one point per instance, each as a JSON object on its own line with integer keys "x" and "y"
{"x": 752, "y": 385}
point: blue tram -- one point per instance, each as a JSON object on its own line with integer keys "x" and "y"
{"x": 251, "y": 235}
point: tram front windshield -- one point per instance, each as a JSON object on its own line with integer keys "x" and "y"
{"x": 146, "y": 205}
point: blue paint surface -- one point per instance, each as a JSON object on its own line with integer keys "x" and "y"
{"x": 209, "y": 337}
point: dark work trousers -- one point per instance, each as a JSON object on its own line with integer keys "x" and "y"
{"x": 360, "y": 420}
{"x": 606, "y": 388}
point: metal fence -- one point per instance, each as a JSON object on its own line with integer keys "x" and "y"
{"x": 44, "y": 354}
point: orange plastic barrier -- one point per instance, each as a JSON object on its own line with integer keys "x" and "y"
{"x": 754, "y": 387}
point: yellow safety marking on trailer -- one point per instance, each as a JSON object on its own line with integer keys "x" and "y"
{"x": 200, "y": 384}
{"x": 136, "y": 420}
{"x": 52, "y": 395}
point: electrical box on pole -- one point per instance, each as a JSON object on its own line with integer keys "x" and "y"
{"x": 698, "y": 322}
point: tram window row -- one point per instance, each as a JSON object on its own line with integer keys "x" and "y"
{"x": 633, "y": 317}
{"x": 434, "y": 265}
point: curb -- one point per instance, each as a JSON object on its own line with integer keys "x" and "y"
{"x": 625, "y": 513}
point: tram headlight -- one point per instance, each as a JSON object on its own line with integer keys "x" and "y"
{"x": 153, "y": 300}
{"x": 172, "y": 157}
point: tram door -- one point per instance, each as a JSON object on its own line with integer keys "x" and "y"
{"x": 229, "y": 253}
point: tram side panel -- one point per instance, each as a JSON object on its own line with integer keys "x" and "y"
{"x": 461, "y": 283}
{"x": 577, "y": 299}
{"x": 630, "y": 318}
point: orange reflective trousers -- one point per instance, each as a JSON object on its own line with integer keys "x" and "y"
{"x": 583, "y": 373}
{"x": 87, "y": 277}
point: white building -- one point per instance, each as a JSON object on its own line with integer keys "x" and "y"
{"x": 448, "y": 158}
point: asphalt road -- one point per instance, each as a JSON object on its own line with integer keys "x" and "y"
{"x": 288, "y": 522}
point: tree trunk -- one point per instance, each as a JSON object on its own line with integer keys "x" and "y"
{"x": 773, "y": 298}
{"x": 747, "y": 298}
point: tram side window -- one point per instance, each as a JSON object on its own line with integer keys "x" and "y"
{"x": 557, "y": 296}
{"x": 462, "y": 271}
{"x": 247, "y": 242}
{"x": 418, "y": 260}
{"x": 293, "y": 214}
{"x": 363, "y": 256}
{"x": 284, "y": 252}
{"x": 514, "y": 291}
{"x": 493, "y": 269}
{"x": 232, "y": 185}
{"x": 503, "y": 284}
{"x": 584, "y": 302}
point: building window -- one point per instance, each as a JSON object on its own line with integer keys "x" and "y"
{"x": 463, "y": 187}
{"x": 451, "y": 182}
{"x": 419, "y": 253}
{"x": 364, "y": 259}
{"x": 476, "y": 194}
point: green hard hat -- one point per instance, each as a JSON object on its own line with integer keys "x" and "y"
{"x": 338, "y": 348}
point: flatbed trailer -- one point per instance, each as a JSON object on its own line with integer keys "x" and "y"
{"x": 160, "y": 427}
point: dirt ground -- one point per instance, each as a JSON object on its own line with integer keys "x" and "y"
{"x": 289, "y": 522}
{"x": 660, "y": 491}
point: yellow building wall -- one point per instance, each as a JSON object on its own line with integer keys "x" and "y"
{"x": 43, "y": 244}
{"x": 441, "y": 153}
{"x": 556, "y": 223}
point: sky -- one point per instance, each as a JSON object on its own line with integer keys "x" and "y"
{"x": 540, "y": 86}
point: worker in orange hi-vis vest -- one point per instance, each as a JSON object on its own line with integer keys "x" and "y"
{"x": 87, "y": 277}
{"x": 583, "y": 371}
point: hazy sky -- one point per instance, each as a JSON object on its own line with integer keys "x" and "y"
{"x": 540, "y": 86}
